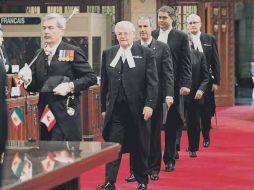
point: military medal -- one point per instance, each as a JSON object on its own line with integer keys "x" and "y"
{"x": 71, "y": 55}
{"x": 64, "y": 55}
{"x": 60, "y": 56}
{"x": 67, "y": 55}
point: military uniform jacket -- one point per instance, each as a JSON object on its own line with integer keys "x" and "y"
{"x": 78, "y": 70}
{"x": 139, "y": 83}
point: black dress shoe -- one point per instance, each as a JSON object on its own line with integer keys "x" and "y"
{"x": 106, "y": 186}
{"x": 177, "y": 155}
{"x": 131, "y": 178}
{"x": 142, "y": 186}
{"x": 154, "y": 176}
{"x": 193, "y": 154}
{"x": 169, "y": 167}
{"x": 206, "y": 143}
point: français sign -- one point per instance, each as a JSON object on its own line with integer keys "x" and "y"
{"x": 20, "y": 20}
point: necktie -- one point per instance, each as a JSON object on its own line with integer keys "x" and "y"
{"x": 48, "y": 52}
{"x": 50, "y": 58}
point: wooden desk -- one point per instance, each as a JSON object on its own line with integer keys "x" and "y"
{"x": 52, "y": 162}
{"x": 29, "y": 127}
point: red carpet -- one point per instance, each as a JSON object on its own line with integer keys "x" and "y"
{"x": 228, "y": 164}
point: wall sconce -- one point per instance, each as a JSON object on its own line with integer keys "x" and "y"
{"x": 215, "y": 27}
{"x": 216, "y": 11}
{"x": 224, "y": 27}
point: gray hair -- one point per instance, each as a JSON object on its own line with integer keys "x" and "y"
{"x": 169, "y": 10}
{"x": 60, "y": 20}
{"x": 124, "y": 23}
{"x": 193, "y": 17}
{"x": 147, "y": 18}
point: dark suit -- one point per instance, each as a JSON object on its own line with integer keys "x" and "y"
{"x": 200, "y": 79}
{"x": 213, "y": 64}
{"x": 3, "y": 113}
{"x": 179, "y": 46}
{"x": 165, "y": 71}
{"x": 124, "y": 93}
{"x": 80, "y": 73}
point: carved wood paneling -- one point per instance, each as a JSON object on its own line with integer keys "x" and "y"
{"x": 220, "y": 16}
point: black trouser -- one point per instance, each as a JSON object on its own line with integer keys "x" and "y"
{"x": 174, "y": 122}
{"x": 193, "y": 123}
{"x": 120, "y": 124}
{"x": 205, "y": 125}
{"x": 207, "y": 111}
{"x": 154, "y": 161}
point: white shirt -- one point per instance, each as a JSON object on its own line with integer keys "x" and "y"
{"x": 196, "y": 42}
{"x": 51, "y": 51}
{"x": 147, "y": 43}
{"x": 163, "y": 35}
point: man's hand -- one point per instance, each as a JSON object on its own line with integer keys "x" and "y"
{"x": 184, "y": 91}
{"x": 169, "y": 101}
{"x": 63, "y": 89}
{"x": 25, "y": 74}
{"x": 198, "y": 95}
{"x": 147, "y": 111}
{"x": 215, "y": 87}
{"x": 103, "y": 114}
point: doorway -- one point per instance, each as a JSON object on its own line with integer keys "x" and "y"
{"x": 244, "y": 53}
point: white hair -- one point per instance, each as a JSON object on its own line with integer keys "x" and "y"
{"x": 193, "y": 17}
{"x": 126, "y": 24}
{"x": 60, "y": 20}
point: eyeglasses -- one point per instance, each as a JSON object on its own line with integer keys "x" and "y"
{"x": 194, "y": 22}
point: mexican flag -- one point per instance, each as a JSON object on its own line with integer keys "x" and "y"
{"x": 17, "y": 117}
{"x": 48, "y": 118}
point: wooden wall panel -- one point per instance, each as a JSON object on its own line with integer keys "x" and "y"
{"x": 220, "y": 22}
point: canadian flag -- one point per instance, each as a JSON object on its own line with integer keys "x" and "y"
{"x": 48, "y": 118}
